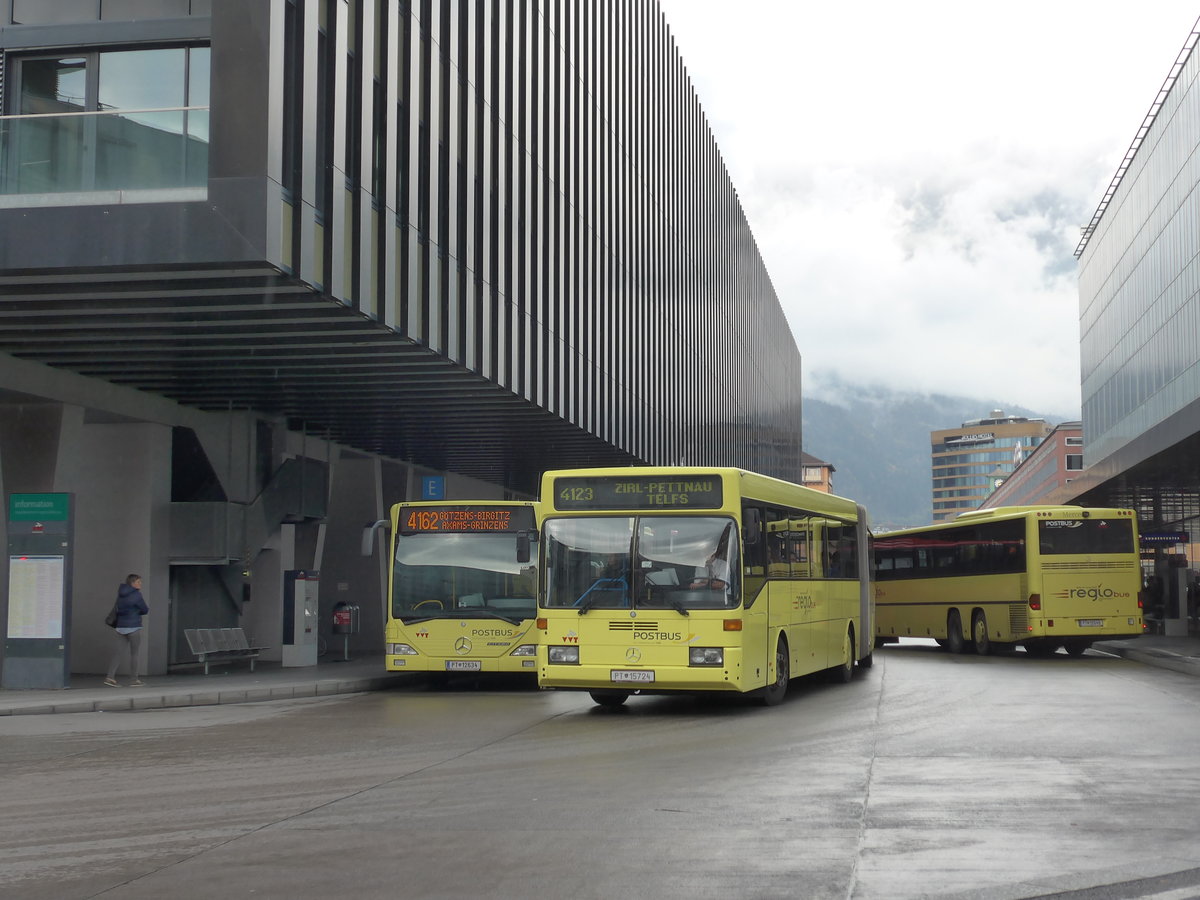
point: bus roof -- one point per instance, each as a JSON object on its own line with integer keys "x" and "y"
{"x": 999, "y": 513}
{"x": 750, "y": 484}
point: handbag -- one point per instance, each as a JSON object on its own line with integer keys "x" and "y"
{"x": 111, "y": 619}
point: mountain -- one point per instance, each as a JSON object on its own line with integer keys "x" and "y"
{"x": 877, "y": 440}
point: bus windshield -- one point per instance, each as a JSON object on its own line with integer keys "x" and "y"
{"x": 1083, "y": 536}
{"x": 463, "y": 575}
{"x": 651, "y": 562}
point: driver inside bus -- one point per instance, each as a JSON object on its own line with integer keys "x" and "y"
{"x": 716, "y": 568}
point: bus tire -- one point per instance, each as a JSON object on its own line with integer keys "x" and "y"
{"x": 867, "y": 661}
{"x": 609, "y": 699}
{"x": 1077, "y": 648}
{"x": 774, "y": 692}
{"x": 954, "y": 635}
{"x": 845, "y": 672}
{"x": 979, "y": 632}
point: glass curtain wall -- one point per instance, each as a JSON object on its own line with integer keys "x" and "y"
{"x": 108, "y": 120}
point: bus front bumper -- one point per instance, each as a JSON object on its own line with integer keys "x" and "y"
{"x": 639, "y": 678}
{"x": 423, "y": 663}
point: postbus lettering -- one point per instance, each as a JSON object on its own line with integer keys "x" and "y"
{"x": 658, "y": 636}
{"x": 491, "y": 632}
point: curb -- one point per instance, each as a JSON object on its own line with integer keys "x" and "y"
{"x": 210, "y": 697}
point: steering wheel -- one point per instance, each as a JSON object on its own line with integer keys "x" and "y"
{"x": 438, "y": 603}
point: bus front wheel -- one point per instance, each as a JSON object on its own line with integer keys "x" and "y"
{"x": 773, "y": 693}
{"x": 979, "y": 630}
{"x": 609, "y": 699}
{"x": 954, "y": 635}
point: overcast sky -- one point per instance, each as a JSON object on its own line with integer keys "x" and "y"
{"x": 916, "y": 173}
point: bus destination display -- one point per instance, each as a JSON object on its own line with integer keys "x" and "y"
{"x": 638, "y": 492}
{"x": 465, "y": 519}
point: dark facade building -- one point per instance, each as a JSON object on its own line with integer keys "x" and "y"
{"x": 272, "y": 261}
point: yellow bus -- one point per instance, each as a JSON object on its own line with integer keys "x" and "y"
{"x": 463, "y": 587}
{"x": 1040, "y": 576}
{"x": 663, "y": 580}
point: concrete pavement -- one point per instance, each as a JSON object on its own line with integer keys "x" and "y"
{"x": 235, "y": 683}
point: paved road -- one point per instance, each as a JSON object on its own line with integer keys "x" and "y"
{"x": 929, "y": 775}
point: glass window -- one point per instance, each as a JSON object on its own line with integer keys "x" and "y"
{"x": 470, "y": 575}
{"x": 1078, "y": 536}
{"x": 109, "y": 120}
{"x": 46, "y": 153}
{"x": 655, "y": 562}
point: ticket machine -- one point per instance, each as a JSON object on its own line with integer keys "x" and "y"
{"x": 300, "y": 593}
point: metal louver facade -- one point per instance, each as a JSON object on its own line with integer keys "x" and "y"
{"x": 490, "y": 238}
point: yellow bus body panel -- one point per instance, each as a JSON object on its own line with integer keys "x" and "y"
{"x": 814, "y": 614}
{"x": 1089, "y": 596}
{"x": 459, "y": 644}
{"x": 439, "y": 641}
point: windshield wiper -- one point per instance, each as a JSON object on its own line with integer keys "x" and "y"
{"x": 586, "y": 603}
{"x": 675, "y": 603}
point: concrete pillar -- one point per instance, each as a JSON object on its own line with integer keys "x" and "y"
{"x": 1175, "y": 617}
{"x": 121, "y": 477}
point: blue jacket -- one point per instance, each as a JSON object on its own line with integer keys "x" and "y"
{"x": 130, "y": 607}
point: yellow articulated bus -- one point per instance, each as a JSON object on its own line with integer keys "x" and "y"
{"x": 1041, "y": 576}
{"x": 664, "y": 580}
{"x": 463, "y": 587}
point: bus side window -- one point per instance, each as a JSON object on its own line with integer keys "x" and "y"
{"x": 754, "y": 520}
{"x": 797, "y": 550}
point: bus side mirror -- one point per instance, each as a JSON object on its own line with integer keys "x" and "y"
{"x": 523, "y": 544}
{"x": 751, "y": 527}
{"x": 368, "y": 536}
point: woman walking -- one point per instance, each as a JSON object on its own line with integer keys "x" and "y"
{"x": 130, "y": 609}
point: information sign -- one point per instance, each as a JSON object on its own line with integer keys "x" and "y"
{"x": 638, "y": 492}
{"x": 466, "y": 519}
{"x": 35, "y": 596}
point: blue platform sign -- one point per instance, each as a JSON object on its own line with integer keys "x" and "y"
{"x": 433, "y": 487}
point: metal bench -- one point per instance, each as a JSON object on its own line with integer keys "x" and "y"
{"x": 220, "y": 645}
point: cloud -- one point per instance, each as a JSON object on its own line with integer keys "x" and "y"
{"x": 916, "y": 175}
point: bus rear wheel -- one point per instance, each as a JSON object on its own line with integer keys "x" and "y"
{"x": 1077, "y": 648}
{"x": 954, "y": 635}
{"x": 774, "y": 692}
{"x": 843, "y": 673}
{"x": 609, "y": 699}
{"x": 979, "y": 631}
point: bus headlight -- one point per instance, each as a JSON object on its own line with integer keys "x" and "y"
{"x": 564, "y": 656}
{"x": 400, "y": 650}
{"x": 706, "y": 656}
{"x": 525, "y": 650}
